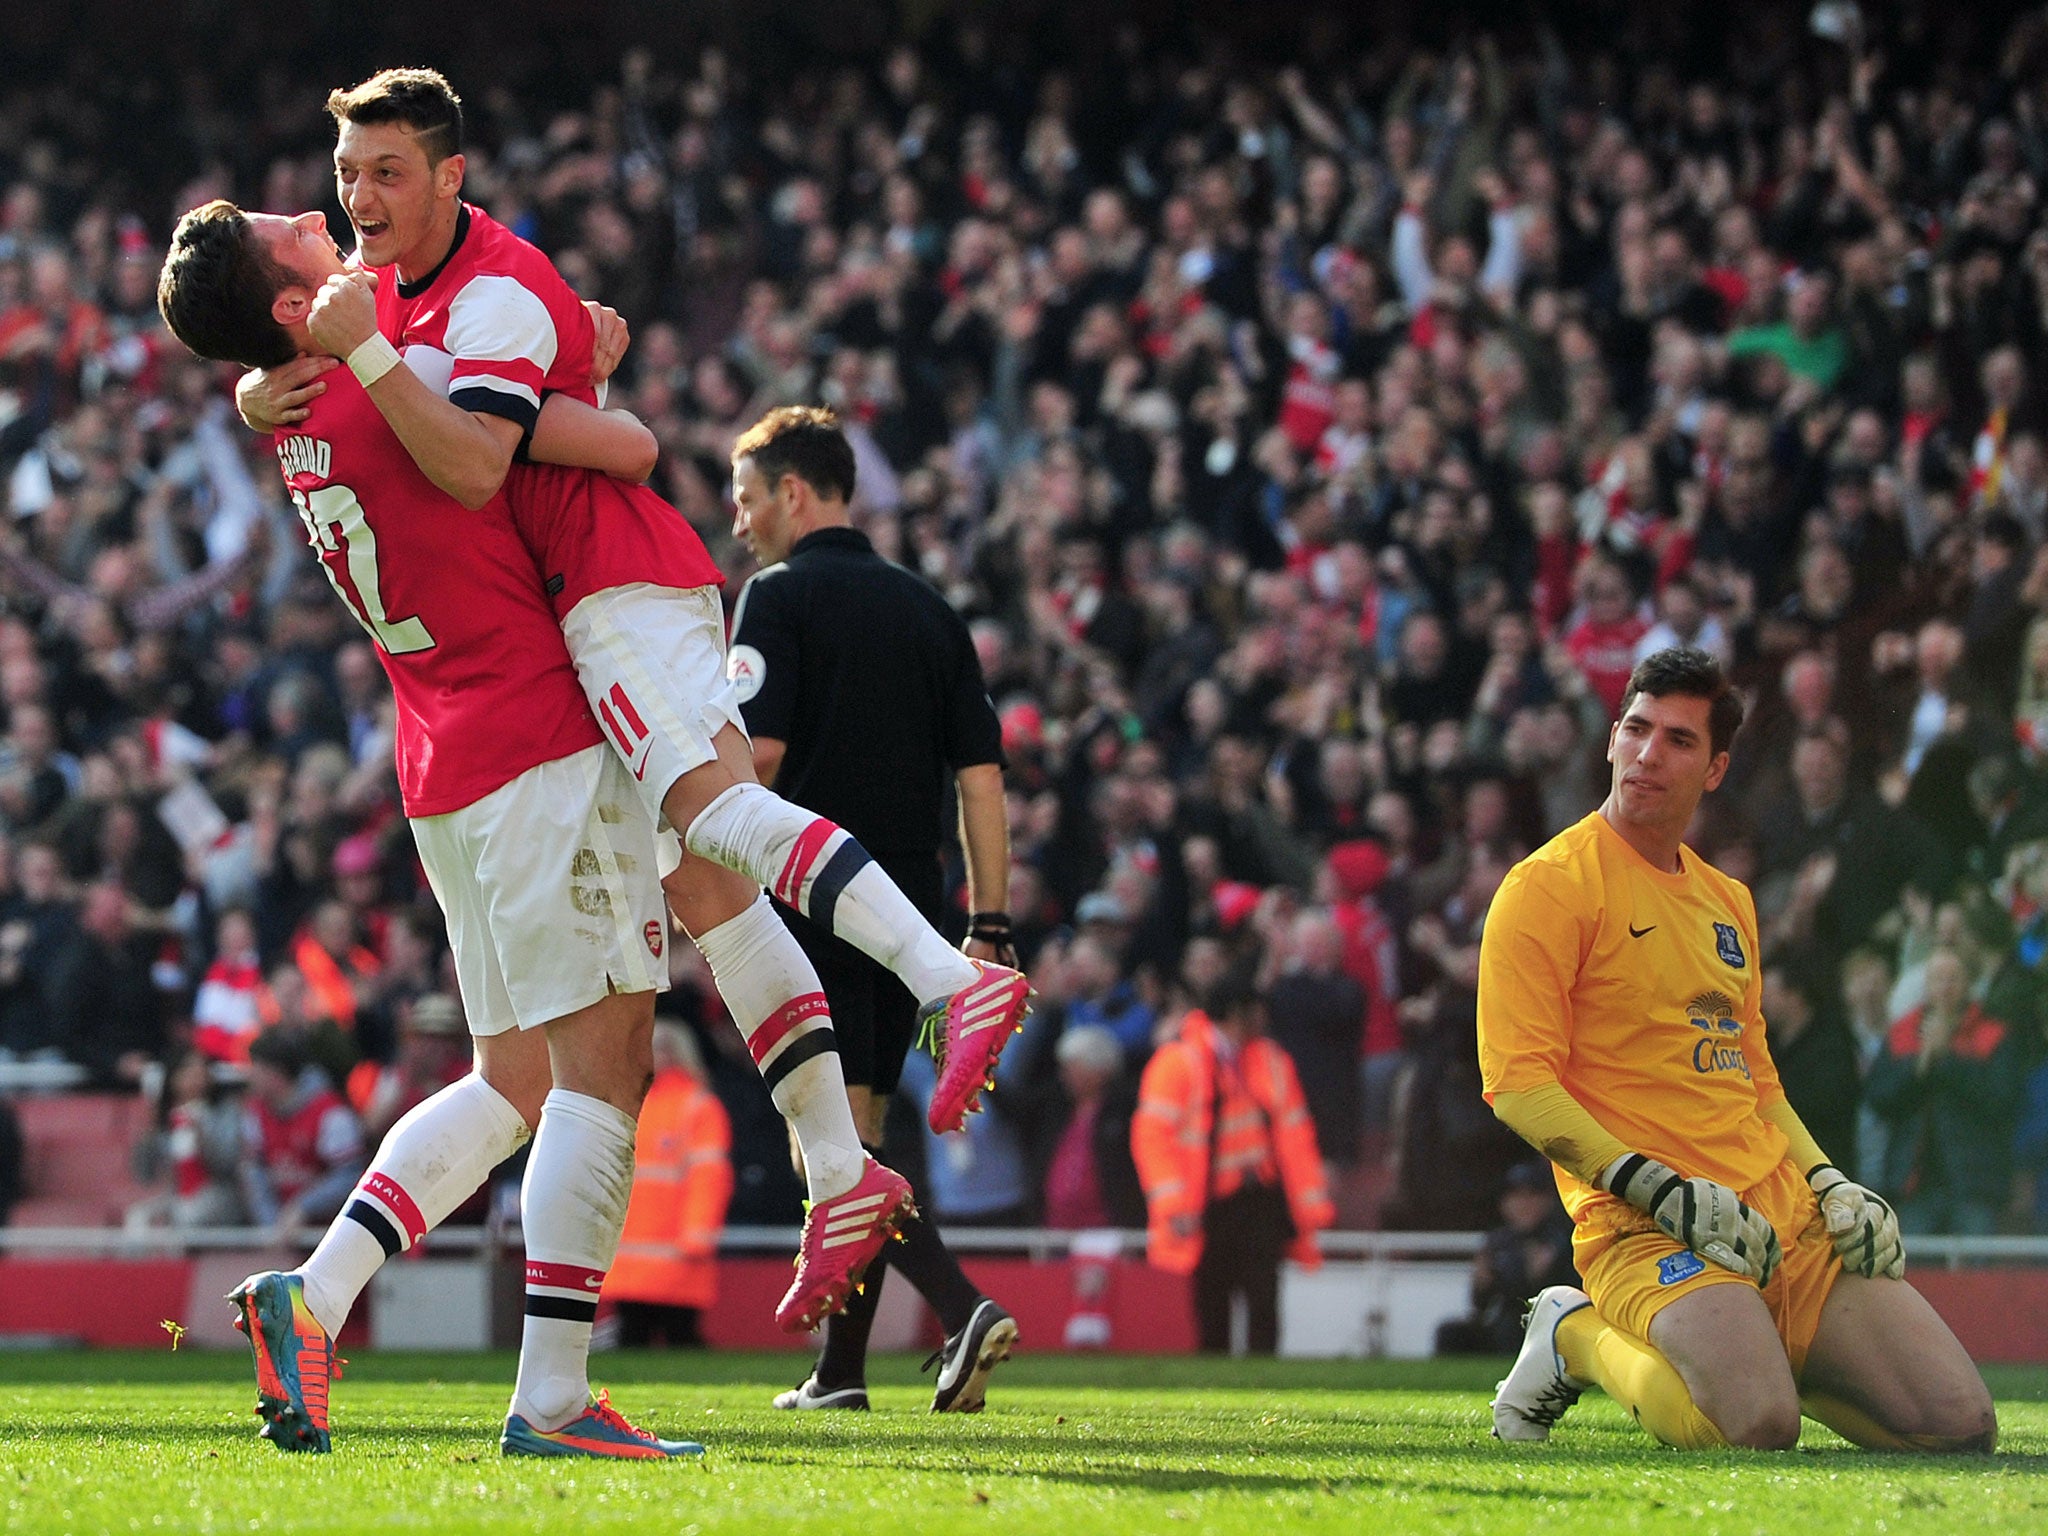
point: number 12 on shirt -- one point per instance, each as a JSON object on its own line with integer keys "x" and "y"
{"x": 347, "y": 546}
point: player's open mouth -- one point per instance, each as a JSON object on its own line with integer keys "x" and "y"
{"x": 370, "y": 230}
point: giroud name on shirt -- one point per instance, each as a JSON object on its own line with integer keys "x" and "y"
{"x": 449, "y": 596}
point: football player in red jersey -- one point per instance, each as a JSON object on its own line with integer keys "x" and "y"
{"x": 535, "y": 844}
{"x": 466, "y": 634}
{"x": 475, "y": 306}
{"x": 770, "y": 987}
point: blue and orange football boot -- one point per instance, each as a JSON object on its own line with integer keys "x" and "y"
{"x": 599, "y": 1430}
{"x": 294, "y": 1360}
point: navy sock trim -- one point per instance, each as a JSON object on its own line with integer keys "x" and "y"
{"x": 849, "y": 861}
{"x": 817, "y": 1043}
{"x": 562, "y": 1307}
{"x": 378, "y": 1225}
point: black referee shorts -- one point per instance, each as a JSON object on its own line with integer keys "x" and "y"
{"x": 873, "y": 1014}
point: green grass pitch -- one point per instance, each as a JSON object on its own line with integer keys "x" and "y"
{"x": 1069, "y": 1445}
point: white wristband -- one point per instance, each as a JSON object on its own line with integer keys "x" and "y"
{"x": 373, "y": 359}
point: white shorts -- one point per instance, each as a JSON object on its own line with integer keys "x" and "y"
{"x": 551, "y": 893}
{"x": 652, "y": 663}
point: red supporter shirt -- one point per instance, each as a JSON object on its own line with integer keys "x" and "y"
{"x": 300, "y": 1143}
{"x": 1606, "y": 654}
{"x": 1308, "y": 402}
{"x": 496, "y": 324}
{"x": 449, "y": 596}
{"x": 229, "y": 1009}
{"x": 188, "y": 1159}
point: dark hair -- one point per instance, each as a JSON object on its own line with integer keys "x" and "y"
{"x": 426, "y": 924}
{"x": 800, "y": 440}
{"x": 217, "y": 286}
{"x": 419, "y": 99}
{"x": 2005, "y": 530}
{"x": 1691, "y": 674}
{"x": 1232, "y": 993}
{"x": 282, "y": 1047}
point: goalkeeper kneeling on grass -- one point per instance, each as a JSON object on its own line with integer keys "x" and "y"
{"x": 1733, "y": 1276}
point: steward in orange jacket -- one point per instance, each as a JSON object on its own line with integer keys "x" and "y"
{"x": 667, "y": 1265}
{"x": 1227, "y": 1153}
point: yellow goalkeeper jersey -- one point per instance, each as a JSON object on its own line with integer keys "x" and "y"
{"x": 1636, "y": 990}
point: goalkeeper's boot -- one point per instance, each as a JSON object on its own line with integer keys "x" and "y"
{"x": 842, "y": 1236}
{"x": 966, "y": 1359}
{"x": 1537, "y": 1389}
{"x": 811, "y": 1395}
{"x": 294, "y": 1359}
{"x": 599, "y": 1430}
{"x": 966, "y": 1034}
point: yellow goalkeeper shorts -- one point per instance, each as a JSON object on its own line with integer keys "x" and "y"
{"x": 1632, "y": 1270}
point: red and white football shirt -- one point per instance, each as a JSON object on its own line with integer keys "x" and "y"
{"x": 484, "y": 687}
{"x": 496, "y": 321}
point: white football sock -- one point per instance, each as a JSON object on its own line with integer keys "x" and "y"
{"x": 436, "y": 1156}
{"x": 772, "y": 990}
{"x": 579, "y": 1176}
{"x": 817, "y": 867}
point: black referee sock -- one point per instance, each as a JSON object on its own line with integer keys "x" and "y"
{"x": 928, "y": 1264}
{"x": 843, "y": 1362}
{"x": 923, "y": 1259}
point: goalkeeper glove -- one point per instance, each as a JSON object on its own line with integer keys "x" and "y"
{"x": 1863, "y": 1225}
{"x": 1708, "y": 1218}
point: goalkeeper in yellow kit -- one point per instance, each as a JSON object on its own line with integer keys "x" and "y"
{"x": 1733, "y": 1275}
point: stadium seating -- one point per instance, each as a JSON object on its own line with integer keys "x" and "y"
{"x": 76, "y": 1159}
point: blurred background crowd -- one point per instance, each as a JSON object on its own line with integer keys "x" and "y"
{"x": 1315, "y": 419}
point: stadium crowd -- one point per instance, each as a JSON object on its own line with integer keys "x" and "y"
{"x": 1314, "y": 449}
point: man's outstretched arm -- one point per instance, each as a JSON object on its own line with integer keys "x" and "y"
{"x": 465, "y": 453}
{"x": 614, "y": 442}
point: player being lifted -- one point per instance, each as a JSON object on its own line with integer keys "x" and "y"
{"x": 1733, "y": 1275}
{"x": 535, "y": 844}
{"x": 280, "y": 264}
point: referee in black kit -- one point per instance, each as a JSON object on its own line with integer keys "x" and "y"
{"x": 863, "y": 695}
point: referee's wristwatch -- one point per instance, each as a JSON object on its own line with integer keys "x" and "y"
{"x": 993, "y": 928}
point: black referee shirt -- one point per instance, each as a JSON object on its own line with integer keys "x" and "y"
{"x": 871, "y": 678}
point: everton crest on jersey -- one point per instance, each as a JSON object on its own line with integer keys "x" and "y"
{"x": 1728, "y": 945}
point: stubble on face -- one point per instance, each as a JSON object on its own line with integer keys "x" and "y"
{"x": 1663, "y": 761}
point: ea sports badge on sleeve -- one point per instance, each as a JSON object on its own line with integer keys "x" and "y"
{"x": 1728, "y": 945}
{"x": 746, "y": 669}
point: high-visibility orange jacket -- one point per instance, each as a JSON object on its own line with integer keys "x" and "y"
{"x": 682, "y": 1183}
{"x": 329, "y": 992}
{"x": 1264, "y": 1131}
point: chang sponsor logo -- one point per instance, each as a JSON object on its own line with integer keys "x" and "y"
{"x": 1713, "y": 1012}
{"x": 1719, "y": 1048}
{"x": 1709, "y": 1057}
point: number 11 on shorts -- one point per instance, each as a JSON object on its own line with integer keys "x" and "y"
{"x": 627, "y": 730}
